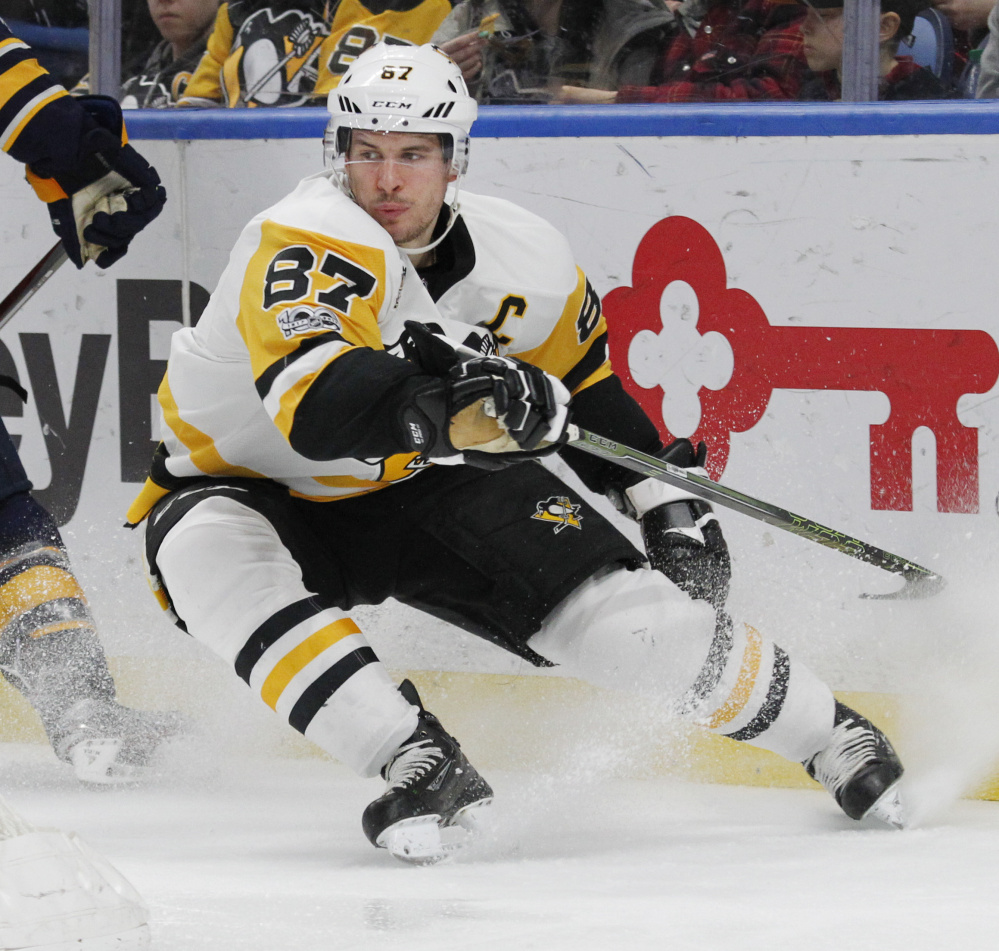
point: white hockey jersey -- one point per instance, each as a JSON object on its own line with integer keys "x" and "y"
{"x": 314, "y": 278}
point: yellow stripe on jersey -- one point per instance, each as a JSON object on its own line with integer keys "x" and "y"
{"x": 200, "y": 446}
{"x": 579, "y": 326}
{"x": 18, "y": 76}
{"x": 33, "y": 587}
{"x": 230, "y": 80}
{"x": 394, "y": 469}
{"x": 743, "y": 689}
{"x": 294, "y": 268}
{"x": 301, "y": 286}
{"x": 298, "y": 658}
{"x": 12, "y": 81}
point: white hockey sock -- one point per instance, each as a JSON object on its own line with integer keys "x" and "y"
{"x": 635, "y": 630}
{"x": 239, "y": 591}
{"x": 762, "y": 697}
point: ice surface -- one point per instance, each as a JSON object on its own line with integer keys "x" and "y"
{"x": 267, "y": 854}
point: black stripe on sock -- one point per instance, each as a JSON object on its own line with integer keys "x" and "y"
{"x": 774, "y": 702}
{"x": 714, "y": 666}
{"x": 314, "y": 697}
{"x": 272, "y": 630}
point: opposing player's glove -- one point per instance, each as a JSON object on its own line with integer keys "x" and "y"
{"x": 682, "y": 536}
{"x": 495, "y": 411}
{"x": 107, "y": 196}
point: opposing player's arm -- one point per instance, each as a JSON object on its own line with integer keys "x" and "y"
{"x": 32, "y": 103}
{"x": 309, "y": 309}
{"x": 100, "y": 192}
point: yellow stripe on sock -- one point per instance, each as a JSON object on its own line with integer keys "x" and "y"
{"x": 35, "y": 586}
{"x": 743, "y": 689}
{"x": 63, "y": 626}
{"x": 296, "y": 660}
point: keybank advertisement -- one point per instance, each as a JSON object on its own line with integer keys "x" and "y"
{"x": 821, "y": 311}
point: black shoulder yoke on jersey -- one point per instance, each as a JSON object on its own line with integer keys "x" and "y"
{"x": 454, "y": 260}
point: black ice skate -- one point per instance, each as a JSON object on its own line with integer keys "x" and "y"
{"x": 434, "y": 796}
{"x": 107, "y": 743}
{"x": 860, "y": 768}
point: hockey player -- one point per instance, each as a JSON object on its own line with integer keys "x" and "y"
{"x": 307, "y": 467}
{"x": 100, "y": 194}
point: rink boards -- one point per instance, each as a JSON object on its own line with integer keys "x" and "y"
{"x": 810, "y": 297}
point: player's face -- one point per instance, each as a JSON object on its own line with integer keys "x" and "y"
{"x": 822, "y": 31}
{"x": 399, "y": 178}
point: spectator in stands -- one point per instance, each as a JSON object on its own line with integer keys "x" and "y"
{"x": 970, "y": 15}
{"x": 63, "y": 55}
{"x": 988, "y": 76}
{"x": 528, "y": 50}
{"x": 160, "y": 75}
{"x": 161, "y": 79}
{"x": 725, "y": 50}
{"x": 293, "y": 52}
{"x": 970, "y": 22}
{"x": 901, "y": 78}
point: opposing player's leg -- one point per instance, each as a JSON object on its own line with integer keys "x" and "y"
{"x": 635, "y": 630}
{"x": 49, "y": 648}
{"x": 231, "y": 561}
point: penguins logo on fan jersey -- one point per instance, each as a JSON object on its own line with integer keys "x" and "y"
{"x": 278, "y": 62}
{"x": 561, "y": 511}
{"x": 295, "y": 321}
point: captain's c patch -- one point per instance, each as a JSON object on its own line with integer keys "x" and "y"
{"x": 559, "y": 510}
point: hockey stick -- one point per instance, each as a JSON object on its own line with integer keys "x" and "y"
{"x": 34, "y": 279}
{"x": 919, "y": 582}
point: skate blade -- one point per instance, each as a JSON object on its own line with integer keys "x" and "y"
{"x": 473, "y": 818}
{"x": 888, "y": 808}
{"x": 96, "y": 763}
{"x": 424, "y": 840}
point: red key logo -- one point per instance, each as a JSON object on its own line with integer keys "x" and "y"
{"x": 922, "y": 372}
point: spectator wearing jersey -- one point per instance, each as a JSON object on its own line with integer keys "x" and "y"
{"x": 293, "y": 52}
{"x": 159, "y": 76}
{"x": 528, "y": 50}
{"x": 725, "y": 50}
{"x": 900, "y": 77}
{"x": 163, "y": 75}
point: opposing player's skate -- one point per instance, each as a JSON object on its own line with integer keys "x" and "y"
{"x": 434, "y": 799}
{"x": 861, "y": 769}
{"x": 107, "y": 743}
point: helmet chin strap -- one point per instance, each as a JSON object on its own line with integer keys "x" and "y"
{"x": 452, "y": 217}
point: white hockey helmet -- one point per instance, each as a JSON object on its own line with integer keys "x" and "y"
{"x": 400, "y": 88}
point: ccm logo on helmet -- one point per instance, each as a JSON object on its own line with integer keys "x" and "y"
{"x": 389, "y": 104}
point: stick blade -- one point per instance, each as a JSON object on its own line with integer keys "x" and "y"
{"x": 918, "y": 585}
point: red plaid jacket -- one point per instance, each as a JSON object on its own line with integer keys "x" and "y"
{"x": 742, "y": 50}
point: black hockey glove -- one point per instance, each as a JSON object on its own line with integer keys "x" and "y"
{"x": 682, "y": 536}
{"x": 495, "y": 411}
{"x": 107, "y": 196}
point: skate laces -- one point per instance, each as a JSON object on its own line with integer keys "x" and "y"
{"x": 412, "y": 763}
{"x": 852, "y": 746}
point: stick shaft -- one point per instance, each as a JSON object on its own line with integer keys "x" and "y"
{"x": 915, "y": 575}
{"x": 31, "y": 282}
